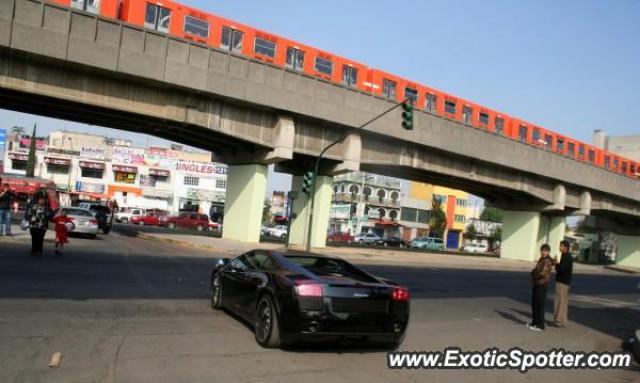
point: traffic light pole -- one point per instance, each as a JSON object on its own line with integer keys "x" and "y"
{"x": 317, "y": 166}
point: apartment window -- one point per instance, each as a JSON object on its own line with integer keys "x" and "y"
{"x": 560, "y": 145}
{"x": 231, "y": 39}
{"x": 412, "y": 94}
{"x": 536, "y": 135}
{"x": 432, "y": 102}
{"x": 467, "y": 114}
{"x": 607, "y": 162}
{"x": 295, "y": 59}
{"x": 450, "y": 107}
{"x": 157, "y": 17}
{"x": 382, "y": 213}
{"x": 408, "y": 214}
{"x": 159, "y": 178}
{"x": 92, "y": 173}
{"x": 18, "y": 165}
{"x": 548, "y": 141}
{"x": 461, "y": 202}
{"x": 389, "y": 89}
{"x": 393, "y": 214}
{"x": 324, "y": 66}
{"x": 523, "y": 132}
{"x": 265, "y": 47}
{"x": 124, "y": 177}
{"x": 572, "y": 149}
{"x": 191, "y": 181}
{"x": 439, "y": 198}
{"x": 424, "y": 216}
{"x": 92, "y": 6}
{"x": 57, "y": 169}
{"x": 483, "y": 118}
{"x": 349, "y": 75}
{"x": 459, "y": 218}
{"x": 221, "y": 184}
{"x": 499, "y": 125}
{"x": 592, "y": 156}
{"x": 195, "y": 26}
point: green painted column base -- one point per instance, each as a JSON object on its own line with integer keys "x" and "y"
{"x": 322, "y": 208}
{"x": 246, "y": 187}
{"x": 628, "y": 251}
{"x": 523, "y": 232}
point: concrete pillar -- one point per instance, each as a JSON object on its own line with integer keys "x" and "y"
{"x": 322, "y": 208}
{"x": 552, "y": 229}
{"x": 520, "y": 235}
{"x": 628, "y": 251}
{"x": 246, "y": 188}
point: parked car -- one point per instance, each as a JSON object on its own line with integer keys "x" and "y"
{"x": 150, "y": 219}
{"x": 291, "y": 297}
{"x": 393, "y": 241}
{"x": 126, "y": 216}
{"x": 190, "y": 220}
{"x": 368, "y": 239}
{"x": 340, "y": 237}
{"x": 427, "y": 243}
{"x": 84, "y": 221}
{"x": 279, "y": 231}
{"x": 264, "y": 230}
{"x": 103, "y": 215}
{"x": 476, "y": 248}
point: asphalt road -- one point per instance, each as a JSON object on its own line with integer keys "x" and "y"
{"x": 122, "y": 309}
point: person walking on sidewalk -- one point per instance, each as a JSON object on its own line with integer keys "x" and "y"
{"x": 38, "y": 217}
{"x": 62, "y": 226}
{"x": 540, "y": 276}
{"x": 6, "y": 199}
{"x": 564, "y": 272}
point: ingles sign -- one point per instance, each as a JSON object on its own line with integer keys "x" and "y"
{"x": 200, "y": 168}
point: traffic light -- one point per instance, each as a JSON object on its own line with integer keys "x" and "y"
{"x": 407, "y": 114}
{"x": 307, "y": 183}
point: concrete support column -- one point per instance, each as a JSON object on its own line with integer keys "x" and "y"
{"x": 520, "y": 235}
{"x": 628, "y": 250}
{"x": 246, "y": 187}
{"x": 322, "y": 208}
{"x": 552, "y": 231}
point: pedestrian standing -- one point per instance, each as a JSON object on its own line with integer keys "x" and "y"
{"x": 38, "y": 217}
{"x": 6, "y": 199}
{"x": 564, "y": 272}
{"x": 540, "y": 276}
{"x": 62, "y": 222}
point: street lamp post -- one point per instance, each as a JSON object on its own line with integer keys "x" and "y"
{"x": 317, "y": 166}
{"x": 70, "y": 167}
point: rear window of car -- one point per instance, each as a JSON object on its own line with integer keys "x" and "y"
{"x": 101, "y": 208}
{"x": 77, "y": 212}
{"x": 322, "y": 266}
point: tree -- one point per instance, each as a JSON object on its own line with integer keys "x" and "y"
{"x": 496, "y": 235}
{"x": 438, "y": 221}
{"x": 492, "y": 214}
{"x": 18, "y": 130}
{"x": 266, "y": 211}
{"x": 470, "y": 231}
{"x": 31, "y": 161}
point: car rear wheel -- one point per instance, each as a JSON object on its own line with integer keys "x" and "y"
{"x": 283, "y": 236}
{"x": 216, "y": 292}
{"x": 266, "y": 327}
{"x": 124, "y": 220}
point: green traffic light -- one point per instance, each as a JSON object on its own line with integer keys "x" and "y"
{"x": 407, "y": 115}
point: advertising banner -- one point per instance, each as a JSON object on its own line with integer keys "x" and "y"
{"x": 201, "y": 169}
{"x": 92, "y": 153}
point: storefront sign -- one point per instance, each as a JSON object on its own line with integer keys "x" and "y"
{"x": 25, "y": 143}
{"x": 202, "y": 169}
{"x": 57, "y": 161}
{"x": 90, "y": 187}
{"x": 340, "y": 211}
{"x": 92, "y": 165}
{"x": 18, "y": 157}
{"x": 127, "y": 155}
{"x": 92, "y": 153}
{"x": 159, "y": 172}
{"x": 124, "y": 169}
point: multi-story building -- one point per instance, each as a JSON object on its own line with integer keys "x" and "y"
{"x": 627, "y": 146}
{"x": 415, "y": 210}
{"x": 91, "y": 166}
{"x": 454, "y": 204}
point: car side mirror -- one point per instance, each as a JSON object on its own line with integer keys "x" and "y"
{"x": 223, "y": 262}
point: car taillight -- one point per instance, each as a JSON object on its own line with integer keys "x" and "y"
{"x": 308, "y": 288}
{"x": 400, "y": 294}
{"x": 93, "y": 221}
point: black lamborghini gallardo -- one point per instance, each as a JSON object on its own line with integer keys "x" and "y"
{"x": 292, "y": 297}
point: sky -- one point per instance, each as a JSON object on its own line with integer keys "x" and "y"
{"x": 569, "y": 66}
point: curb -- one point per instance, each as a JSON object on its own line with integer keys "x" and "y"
{"x": 623, "y": 269}
{"x": 180, "y": 243}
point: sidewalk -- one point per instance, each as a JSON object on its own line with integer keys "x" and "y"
{"x": 230, "y": 248}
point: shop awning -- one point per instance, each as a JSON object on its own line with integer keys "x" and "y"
{"x": 124, "y": 168}
{"x": 18, "y": 157}
{"x": 92, "y": 165}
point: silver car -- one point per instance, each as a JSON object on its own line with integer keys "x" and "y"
{"x": 84, "y": 220}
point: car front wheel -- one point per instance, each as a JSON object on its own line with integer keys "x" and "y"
{"x": 216, "y": 292}
{"x": 266, "y": 327}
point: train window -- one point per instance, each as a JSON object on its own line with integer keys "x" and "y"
{"x": 92, "y": 6}
{"x": 157, "y": 17}
{"x": 349, "y": 75}
{"x": 581, "y": 152}
{"x": 572, "y": 149}
{"x": 523, "y": 132}
{"x": 324, "y": 66}
{"x": 410, "y": 93}
{"x": 389, "y": 88}
{"x": 624, "y": 166}
{"x": 265, "y": 47}
{"x": 499, "y": 125}
{"x": 615, "y": 164}
{"x": 295, "y": 58}
{"x": 607, "y": 162}
{"x": 592, "y": 156}
{"x": 483, "y": 118}
{"x": 560, "y": 145}
{"x": 548, "y": 141}
{"x": 450, "y": 107}
{"x": 432, "y": 102}
{"x": 467, "y": 113}
{"x": 196, "y": 26}
{"x": 231, "y": 39}
{"x": 632, "y": 169}
{"x": 536, "y": 135}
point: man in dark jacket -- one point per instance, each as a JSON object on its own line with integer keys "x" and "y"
{"x": 6, "y": 199}
{"x": 564, "y": 271}
{"x": 540, "y": 276}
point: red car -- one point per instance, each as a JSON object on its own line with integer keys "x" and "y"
{"x": 151, "y": 219}
{"x": 339, "y": 236}
{"x": 189, "y": 220}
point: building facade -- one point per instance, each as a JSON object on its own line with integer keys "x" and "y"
{"x": 627, "y": 146}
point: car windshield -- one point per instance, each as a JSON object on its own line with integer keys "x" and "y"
{"x": 322, "y": 266}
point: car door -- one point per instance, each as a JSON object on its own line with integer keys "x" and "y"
{"x": 232, "y": 281}
{"x": 260, "y": 264}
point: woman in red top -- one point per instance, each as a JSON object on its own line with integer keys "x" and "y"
{"x": 62, "y": 222}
